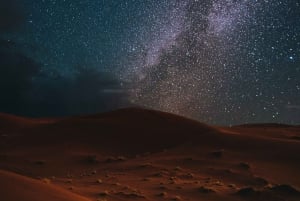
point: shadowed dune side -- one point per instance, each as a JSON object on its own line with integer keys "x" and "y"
{"x": 126, "y": 130}
{"x": 16, "y": 187}
{"x": 134, "y": 131}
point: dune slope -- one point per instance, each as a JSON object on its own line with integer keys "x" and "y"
{"x": 138, "y": 154}
{"x": 16, "y": 187}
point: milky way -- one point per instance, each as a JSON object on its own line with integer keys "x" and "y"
{"x": 197, "y": 64}
{"x": 218, "y": 61}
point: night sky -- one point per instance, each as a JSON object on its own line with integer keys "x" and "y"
{"x": 218, "y": 61}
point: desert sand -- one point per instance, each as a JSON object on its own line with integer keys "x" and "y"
{"x": 139, "y": 154}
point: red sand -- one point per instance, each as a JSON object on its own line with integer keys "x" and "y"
{"x": 137, "y": 154}
{"x": 16, "y": 187}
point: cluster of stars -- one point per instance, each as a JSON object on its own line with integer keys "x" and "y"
{"x": 218, "y": 67}
{"x": 218, "y": 61}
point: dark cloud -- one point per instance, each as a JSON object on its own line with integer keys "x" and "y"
{"x": 90, "y": 91}
{"x": 27, "y": 90}
{"x": 94, "y": 91}
{"x": 16, "y": 72}
{"x": 12, "y": 15}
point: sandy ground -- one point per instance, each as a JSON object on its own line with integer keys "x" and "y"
{"x": 137, "y": 154}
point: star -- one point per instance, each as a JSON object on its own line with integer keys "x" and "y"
{"x": 215, "y": 61}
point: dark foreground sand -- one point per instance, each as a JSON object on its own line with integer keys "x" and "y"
{"x": 136, "y": 154}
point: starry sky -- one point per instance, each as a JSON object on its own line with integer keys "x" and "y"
{"x": 221, "y": 62}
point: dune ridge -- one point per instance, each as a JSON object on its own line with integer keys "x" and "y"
{"x": 140, "y": 154}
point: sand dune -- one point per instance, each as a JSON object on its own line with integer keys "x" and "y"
{"x": 16, "y": 187}
{"x": 138, "y": 154}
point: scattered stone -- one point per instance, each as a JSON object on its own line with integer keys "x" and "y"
{"x": 131, "y": 195}
{"x": 176, "y": 198}
{"x": 203, "y": 189}
{"x": 121, "y": 158}
{"x": 244, "y": 165}
{"x": 104, "y": 193}
{"x": 218, "y": 183}
{"x": 159, "y": 174}
{"x": 92, "y": 159}
{"x": 40, "y": 162}
{"x": 218, "y": 153}
{"x": 146, "y": 165}
{"x": 115, "y": 159}
{"x": 190, "y": 175}
{"x": 46, "y": 180}
{"x": 163, "y": 194}
{"x": 247, "y": 191}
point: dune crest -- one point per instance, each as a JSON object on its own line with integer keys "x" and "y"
{"x": 139, "y": 154}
